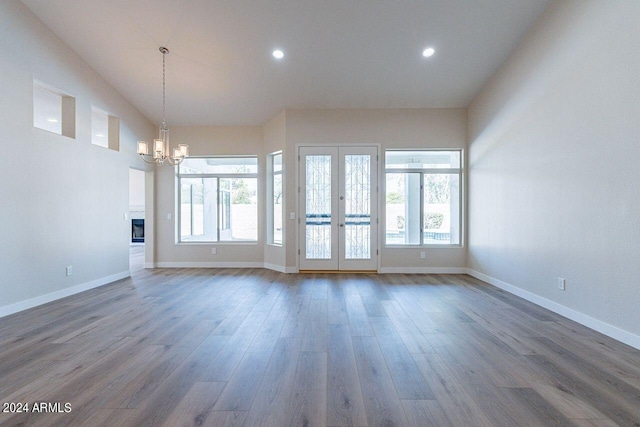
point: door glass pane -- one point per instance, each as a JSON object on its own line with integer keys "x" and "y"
{"x": 357, "y": 207}
{"x": 318, "y": 207}
{"x": 403, "y": 209}
{"x": 441, "y": 209}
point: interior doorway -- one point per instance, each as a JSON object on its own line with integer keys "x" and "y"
{"x": 137, "y": 206}
{"x": 338, "y": 208}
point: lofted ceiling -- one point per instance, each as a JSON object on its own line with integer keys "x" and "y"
{"x": 338, "y": 53}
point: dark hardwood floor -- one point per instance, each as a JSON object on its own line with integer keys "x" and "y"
{"x": 234, "y": 347}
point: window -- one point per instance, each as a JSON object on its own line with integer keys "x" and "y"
{"x": 218, "y": 199}
{"x": 105, "y": 129}
{"x": 274, "y": 192}
{"x": 423, "y": 197}
{"x": 53, "y": 111}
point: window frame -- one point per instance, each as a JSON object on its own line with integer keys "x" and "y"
{"x": 271, "y": 174}
{"x": 422, "y": 172}
{"x": 219, "y": 177}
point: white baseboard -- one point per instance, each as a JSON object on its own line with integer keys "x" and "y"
{"x": 290, "y": 270}
{"x": 209, "y": 264}
{"x": 588, "y": 321}
{"x": 62, "y": 293}
{"x": 276, "y": 267}
{"x": 423, "y": 270}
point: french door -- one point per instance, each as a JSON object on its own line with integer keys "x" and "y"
{"x": 338, "y": 208}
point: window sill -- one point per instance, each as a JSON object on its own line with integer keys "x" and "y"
{"x": 224, "y": 243}
{"x": 448, "y": 246}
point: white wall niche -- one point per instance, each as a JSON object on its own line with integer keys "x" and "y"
{"x": 105, "y": 129}
{"x": 53, "y": 110}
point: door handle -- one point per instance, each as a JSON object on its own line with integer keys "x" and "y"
{"x": 341, "y": 197}
{"x": 341, "y": 225}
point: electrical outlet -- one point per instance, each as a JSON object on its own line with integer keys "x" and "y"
{"x": 126, "y": 216}
{"x": 214, "y": 251}
{"x": 169, "y": 216}
{"x": 423, "y": 255}
{"x": 292, "y": 215}
{"x": 69, "y": 270}
{"x": 561, "y": 283}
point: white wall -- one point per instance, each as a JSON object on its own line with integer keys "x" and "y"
{"x": 399, "y": 128}
{"x": 63, "y": 199}
{"x": 431, "y": 128}
{"x": 204, "y": 141}
{"x": 554, "y": 148}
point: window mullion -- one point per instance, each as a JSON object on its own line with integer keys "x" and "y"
{"x": 421, "y": 208}
{"x": 191, "y": 209}
{"x": 218, "y": 209}
{"x": 460, "y": 208}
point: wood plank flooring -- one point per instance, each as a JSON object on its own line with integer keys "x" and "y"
{"x": 249, "y": 347}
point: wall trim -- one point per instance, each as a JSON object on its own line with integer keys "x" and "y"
{"x": 423, "y": 270}
{"x": 611, "y": 331}
{"x": 267, "y": 265}
{"x": 275, "y": 267}
{"x": 62, "y": 293}
{"x": 209, "y": 264}
{"x": 280, "y": 268}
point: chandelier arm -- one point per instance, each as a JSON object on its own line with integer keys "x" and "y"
{"x": 175, "y": 162}
{"x": 142, "y": 156}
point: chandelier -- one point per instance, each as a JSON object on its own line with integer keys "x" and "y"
{"x": 161, "y": 149}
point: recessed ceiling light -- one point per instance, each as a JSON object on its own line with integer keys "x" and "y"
{"x": 278, "y": 54}
{"x": 52, "y": 120}
{"x": 428, "y": 52}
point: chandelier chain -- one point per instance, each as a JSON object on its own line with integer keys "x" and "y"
{"x": 164, "y": 97}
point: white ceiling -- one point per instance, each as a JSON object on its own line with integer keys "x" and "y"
{"x": 339, "y": 53}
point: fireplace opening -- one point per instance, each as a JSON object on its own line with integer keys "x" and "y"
{"x": 137, "y": 230}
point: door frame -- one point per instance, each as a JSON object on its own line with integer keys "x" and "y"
{"x": 379, "y": 189}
